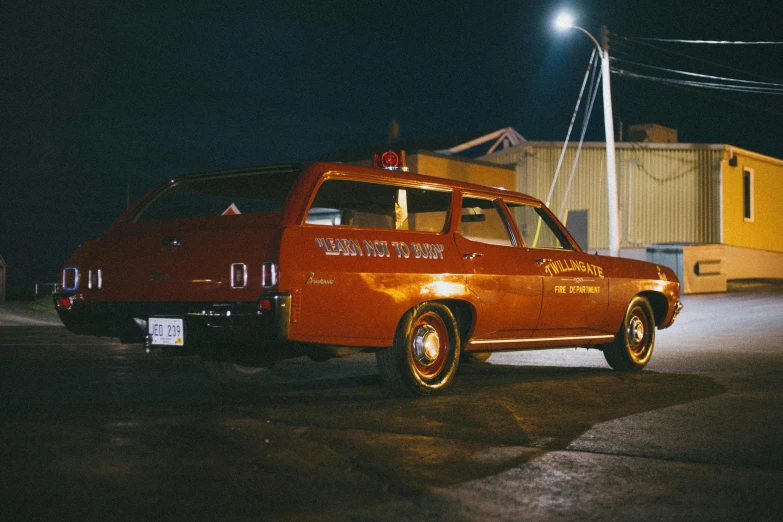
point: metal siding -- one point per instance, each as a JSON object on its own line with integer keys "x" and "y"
{"x": 672, "y": 190}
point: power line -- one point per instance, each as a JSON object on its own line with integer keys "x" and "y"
{"x": 706, "y": 85}
{"x": 710, "y": 94}
{"x": 632, "y": 49}
{"x": 627, "y": 40}
{"x": 709, "y": 42}
{"x": 686, "y": 73}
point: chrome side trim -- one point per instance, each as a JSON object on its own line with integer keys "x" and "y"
{"x": 543, "y": 339}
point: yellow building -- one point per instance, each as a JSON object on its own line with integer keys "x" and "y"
{"x": 687, "y": 194}
{"x": 460, "y": 169}
{"x": 752, "y": 214}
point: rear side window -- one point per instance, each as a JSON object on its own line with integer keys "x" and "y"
{"x": 360, "y": 204}
{"x": 220, "y": 195}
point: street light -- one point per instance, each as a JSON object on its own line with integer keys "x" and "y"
{"x": 564, "y": 22}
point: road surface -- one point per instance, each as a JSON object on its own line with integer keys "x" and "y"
{"x": 91, "y": 429}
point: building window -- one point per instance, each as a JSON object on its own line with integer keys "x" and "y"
{"x": 747, "y": 194}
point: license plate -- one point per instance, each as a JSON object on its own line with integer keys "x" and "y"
{"x": 166, "y": 331}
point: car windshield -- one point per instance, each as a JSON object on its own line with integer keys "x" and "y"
{"x": 224, "y": 194}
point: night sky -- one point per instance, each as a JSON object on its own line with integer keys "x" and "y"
{"x": 98, "y": 96}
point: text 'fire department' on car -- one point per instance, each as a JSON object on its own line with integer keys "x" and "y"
{"x": 250, "y": 266}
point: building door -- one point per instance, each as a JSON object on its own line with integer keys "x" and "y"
{"x": 576, "y": 223}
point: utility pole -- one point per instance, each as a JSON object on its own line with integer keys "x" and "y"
{"x": 611, "y": 166}
{"x": 566, "y": 21}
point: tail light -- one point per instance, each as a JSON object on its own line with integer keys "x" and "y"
{"x": 65, "y": 302}
{"x": 238, "y": 275}
{"x": 269, "y": 274}
{"x": 94, "y": 279}
{"x": 70, "y": 278}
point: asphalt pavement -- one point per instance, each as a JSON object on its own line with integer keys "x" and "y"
{"x": 91, "y": 429}
{"x": 13, "y": 313}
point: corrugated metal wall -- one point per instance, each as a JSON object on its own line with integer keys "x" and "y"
{"x": 665, "y": 193}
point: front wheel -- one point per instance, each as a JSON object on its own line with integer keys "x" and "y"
{"x": 425, "y": 353}
{"x": 633, "y": 345}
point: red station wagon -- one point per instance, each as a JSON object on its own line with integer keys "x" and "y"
{"x": 250, "y": 266}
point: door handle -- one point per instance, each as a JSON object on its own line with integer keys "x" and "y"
{"x": 542, "y": 261}
{"x": 472, "y": 255}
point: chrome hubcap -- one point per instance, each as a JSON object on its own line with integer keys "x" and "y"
{"x": 636, "y": 329}
{"x": 426, "y": 345}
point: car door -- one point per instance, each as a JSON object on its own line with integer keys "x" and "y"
{"x": 575, "y": 288}
{"x": 367, "y": 251}
{"x": 500, "y": 274}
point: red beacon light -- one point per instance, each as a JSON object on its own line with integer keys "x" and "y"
{"x": 390, "y": 160}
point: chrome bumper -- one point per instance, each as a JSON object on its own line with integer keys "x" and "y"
{"x": 266, "y": 320}
{"x": 677, "y": 308}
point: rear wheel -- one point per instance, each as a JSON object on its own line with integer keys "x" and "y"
{"x": 633, "y": 345}
{"x": 425, "y": 353}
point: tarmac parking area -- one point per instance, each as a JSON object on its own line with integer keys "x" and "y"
{"x": 92, "y": 429}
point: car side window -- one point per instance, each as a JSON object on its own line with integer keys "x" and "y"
{"x": 537, "y": 228}
{"x": 360, "y": 204}
{"x": 481, "y": 221}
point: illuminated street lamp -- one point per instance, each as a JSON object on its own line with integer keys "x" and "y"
{"x": 563, "y": 22}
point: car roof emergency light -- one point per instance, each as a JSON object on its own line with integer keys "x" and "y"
{"x": 390, "y": 160}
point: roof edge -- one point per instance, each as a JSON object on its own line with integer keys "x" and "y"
{"x": 451, "y": 157}
{"x": 731, "y": 149}
{"x": 619, "y": 145}
{"x": 622, "y": 145}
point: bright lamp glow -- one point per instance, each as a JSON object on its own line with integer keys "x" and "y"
{"x": 564, "y": 21}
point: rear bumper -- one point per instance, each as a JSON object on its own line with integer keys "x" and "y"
{"x": 265, "y": 321}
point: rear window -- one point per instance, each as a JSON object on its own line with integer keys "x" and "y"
{"x": 360, "y": 204}
{"x": 220, "y": 195}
